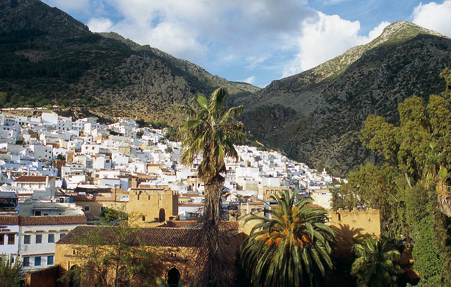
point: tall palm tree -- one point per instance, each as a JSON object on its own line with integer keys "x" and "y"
{"x": 375, "y": 264}
{"x": 211, "y": 131}
{"x": 291, "y": 248}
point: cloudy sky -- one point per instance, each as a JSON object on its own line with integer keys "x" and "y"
{"x": 254, "y": 41}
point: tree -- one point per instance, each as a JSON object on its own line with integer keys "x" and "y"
{"x": 413, "y": 187}
{"x": 211, "y": 131}
{"x": 375, "y": 264}
{"x": 378, "y": 187}
{"x": 291, "y": 248}
{"x": 113, "y": 216}
{"x": 113, "y": 256}
{"x": 61, "y": 157}
{"x": 10, "y": 271}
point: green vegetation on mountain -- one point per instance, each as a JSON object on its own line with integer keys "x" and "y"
{"x": 316, "y": 116}
{"x": 50, "y": 58}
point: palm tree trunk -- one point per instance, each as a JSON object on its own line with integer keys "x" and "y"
{"x": 212, "y": 202}
{"x": 219, "y": 245}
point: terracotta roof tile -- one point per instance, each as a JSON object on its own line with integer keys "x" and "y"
{"x": 190, "y": 223}
{"x": 9, "y": 220}
{"x": 33, "y": 178}
{"x": 150, "y": 236}
{"x": 52, "y": 220}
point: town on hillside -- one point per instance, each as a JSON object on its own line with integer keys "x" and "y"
{"x": 58, "y": 174}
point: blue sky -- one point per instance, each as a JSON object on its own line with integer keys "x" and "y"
{"x": 255, "y": 41}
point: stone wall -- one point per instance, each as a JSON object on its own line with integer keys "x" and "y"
{"x": 152, "y": 204}
{"x": 351, "y": 225}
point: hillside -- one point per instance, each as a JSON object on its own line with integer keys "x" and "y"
{"x": 50, "y": 58}
{"x": 316, "y": 116}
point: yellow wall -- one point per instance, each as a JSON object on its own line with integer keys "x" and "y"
{"x": 351, "y": 225}
{"x": 152, "y": 203}
{"x": 182, "y": 258}
{"x": 267, "y": 191}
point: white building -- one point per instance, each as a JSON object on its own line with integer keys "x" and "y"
{"x": 38, "y": 235}
{"x": 41, "y": 152}
{"x": 49, "y": 119}
{"x": 9, "y": 234}
{"x": 35, "y": 186}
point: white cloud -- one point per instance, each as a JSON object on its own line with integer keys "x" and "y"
{"x": 326, "y": 37}
{"x": 250, "y": 80}
{"x": 100, "y": 25}
{"x": 434, "y": 16}
{"x": 377, "y": 31}
{"x": 194, "y": 30}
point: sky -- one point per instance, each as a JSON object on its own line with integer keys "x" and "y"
{"x": 254, "y": 41}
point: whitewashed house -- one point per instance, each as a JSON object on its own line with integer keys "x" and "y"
{"x": 35, "y": 186}
{"x": 9, "y": 235}
{"x": 38, "y": 235}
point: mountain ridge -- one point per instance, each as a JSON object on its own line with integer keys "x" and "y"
{"x": 66, "y": 64}
{"x": 314, "y": 117}
{"x": 319, "y": 122}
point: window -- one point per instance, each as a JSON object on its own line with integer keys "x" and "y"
{"x": 62, "y": 235}
{"x": 11, "y": 239}
{"x": 26, "y": 261}
{"x": 87, "y": 208}
{"x": 37, "y": 213}
{"x": 27, "y": 239}
{"x": 37, "y": 261}
{"x": 144, "y": 218}
{"x": 38, "y": 238}
{"x": 2, "y": 239}
{"x": 50, "y": 260}
{"x": 51, "y": 238}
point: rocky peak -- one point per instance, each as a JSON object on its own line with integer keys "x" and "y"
{"x": 34, "y": 14}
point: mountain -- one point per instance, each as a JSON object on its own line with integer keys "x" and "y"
{"x": 48, "y": 57}
{"x": 316, "y": 116}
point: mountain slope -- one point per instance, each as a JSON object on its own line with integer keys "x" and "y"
{"x": 48, "y": 57}
{"x": 316, "y": 116}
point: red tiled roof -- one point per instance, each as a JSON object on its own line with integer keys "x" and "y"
{"x": 149, "y": 236}
{"x": 33, "y": 178}
{"x": 9, "y": 220}
{"x": 52, "y": 220}
{"x": 184, "y": 223}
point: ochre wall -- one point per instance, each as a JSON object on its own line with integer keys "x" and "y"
{"x": 351, "y": 225}
{"x": 152, "y": 203}
{"x": 181, "y": 258}
{"x": 267, "y": 191}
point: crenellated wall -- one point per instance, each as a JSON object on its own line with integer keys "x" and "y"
{"x": 149, "y": 204}
{"x": 351, "y": 225}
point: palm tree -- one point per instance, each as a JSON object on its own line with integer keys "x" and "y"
{"x": 291, "y": 248}
{"x": 375, "y": 264}
{"x": 211, "y": 131}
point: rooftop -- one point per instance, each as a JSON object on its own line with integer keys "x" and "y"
{"x": 33, "y": 178}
